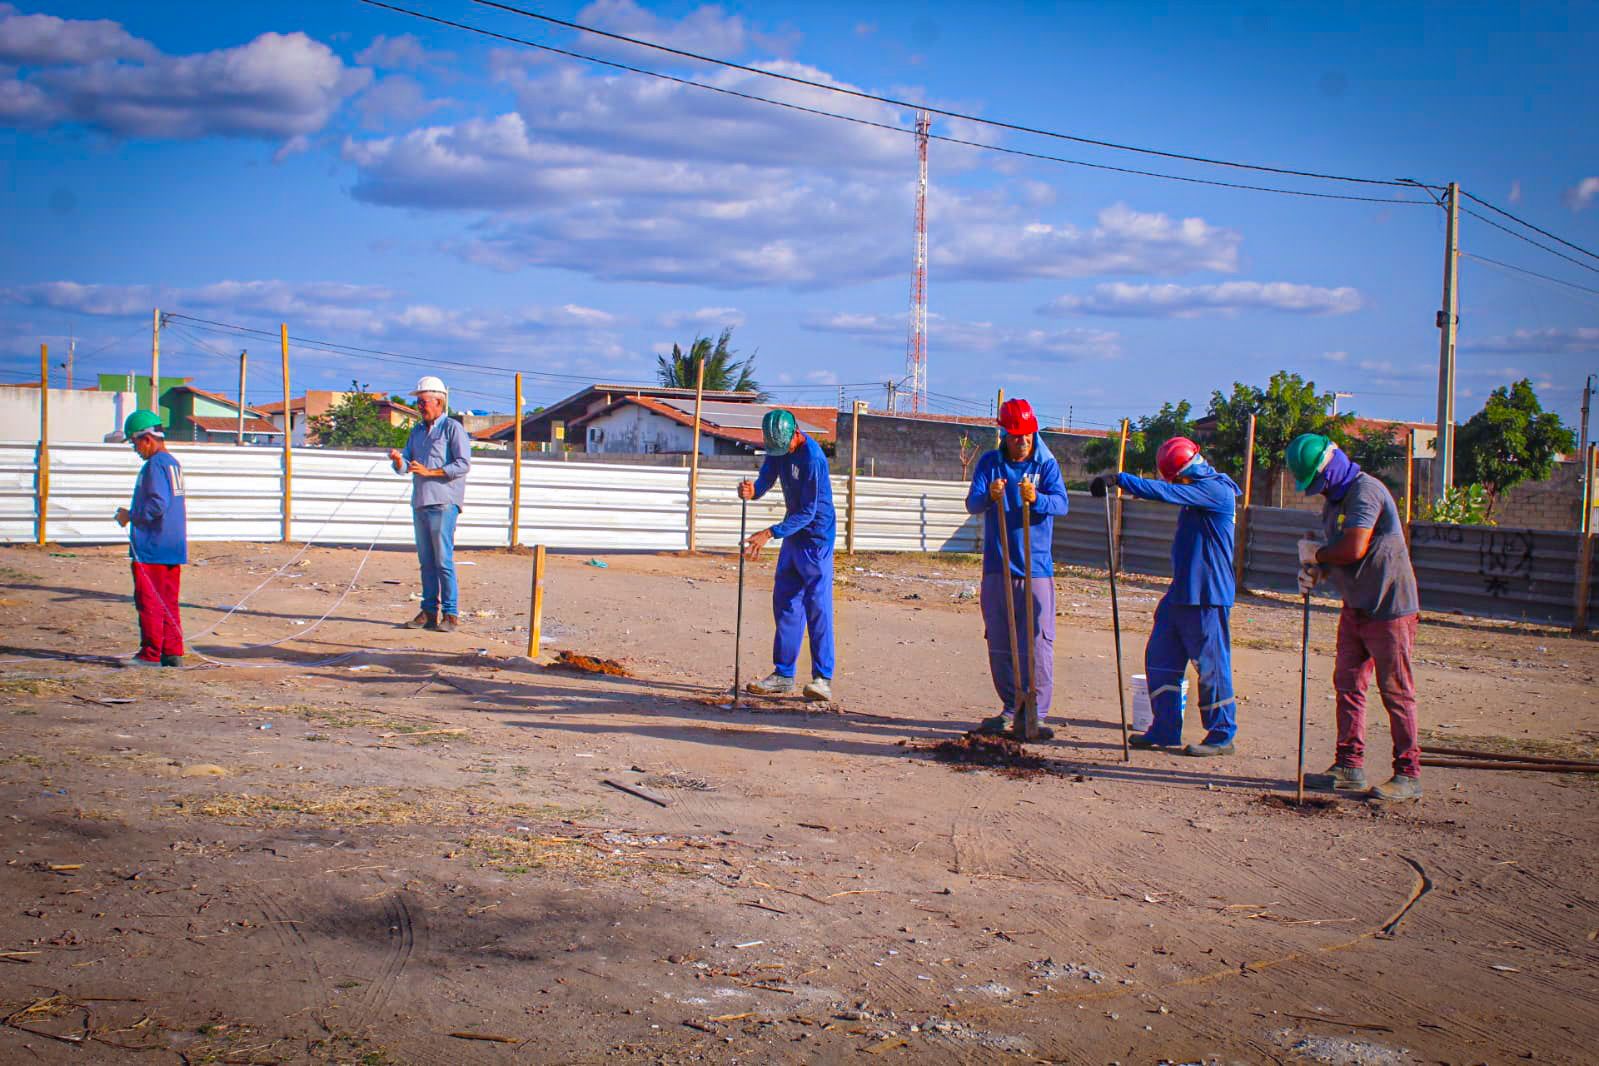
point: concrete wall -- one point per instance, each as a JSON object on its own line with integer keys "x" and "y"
{"x": 75, "y": 414}
{"x": 928, "y": 449}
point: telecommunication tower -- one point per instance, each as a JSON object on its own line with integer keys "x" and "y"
{"x": 916, "y": 348}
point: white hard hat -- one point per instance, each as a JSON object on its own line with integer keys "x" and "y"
{"x": 429, "y": 383}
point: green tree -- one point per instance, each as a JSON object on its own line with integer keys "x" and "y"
{"x": 723, "y": 373}
{"x": 1144, "y": 438}
{"x": 1461, "y": 505}
{"x": 1378, "y": 449}
{"x": 1511, "y": 440}
{"x": 357, "y": 421}
{"x": 1288, "y": 406}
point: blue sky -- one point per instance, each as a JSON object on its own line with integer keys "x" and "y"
{"x": 384, "y": 183}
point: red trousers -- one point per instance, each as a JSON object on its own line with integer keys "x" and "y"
{"x": 1367, "y": 646}
{"x": 155, "y": 595}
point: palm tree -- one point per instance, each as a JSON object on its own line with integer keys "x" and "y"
{"x": 723, "y": 373}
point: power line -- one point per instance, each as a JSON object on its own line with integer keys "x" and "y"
{"x": 1529, "y": 225}
{"x": 1529, "y": 273}
{"x": 892, "y": 102}
{"x": 1523, "y": 237}
{"x": 1042, "y": 156}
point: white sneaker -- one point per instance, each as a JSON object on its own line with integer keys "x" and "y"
{"x": 820, "y": 688}
{"x": 774, "y": 684}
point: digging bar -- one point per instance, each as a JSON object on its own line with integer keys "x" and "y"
{"x": 1304, "y": 694}
{"x": 1025, "y": 722}
{"x": 1116, "y": 623}
{"x": 738, "y": 614}
{"x": 1018, "y": 701}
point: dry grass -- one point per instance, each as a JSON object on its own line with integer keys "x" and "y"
{"x": 32, "y": 686}
{"x": 568, "y": 855}
{"x": 363, "y": 806}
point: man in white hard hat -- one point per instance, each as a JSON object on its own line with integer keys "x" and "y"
{"x": 437, "y": 455}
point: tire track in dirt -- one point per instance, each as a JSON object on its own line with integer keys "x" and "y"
{"x": 401, "y": 942}
{"x": 291, "y": 944}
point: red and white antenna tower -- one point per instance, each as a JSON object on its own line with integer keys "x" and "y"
{"x": 916, "y": 349}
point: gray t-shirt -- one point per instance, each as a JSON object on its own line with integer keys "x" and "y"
{"x": 1382, "y": 584}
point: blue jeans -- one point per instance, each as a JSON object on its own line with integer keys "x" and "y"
{"x": 435, "y": 551}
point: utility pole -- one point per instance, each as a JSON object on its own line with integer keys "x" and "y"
{"x": 243, "y": 358}
{"x": 72, "y": 351}
{"x": 1448, "y": 322}
{"x": 1340, "y": 396}
{"x": 1582, "y": 478}
{"x": 892, "y": 400}
{"x": 155, "y": 363}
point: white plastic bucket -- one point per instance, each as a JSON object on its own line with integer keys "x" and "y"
{"x": 1143, "y": 713}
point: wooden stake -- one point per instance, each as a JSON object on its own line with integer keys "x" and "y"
{"x": 44, "y": 440}
{"x": 288, "y": 434}
{"x": 243, "y": 356}
{"x": 1241, "y": 530}
{"x": 1410, "y": 479}
{"x": 535, "y": 616}
{"x": 854, "y": 465}
{"x": 694, "y": 463}
{"x": 155, "y": 363}
{"x": 1583, "y": 592}
{"x": 516, "y": 468}
{"x": 1121, "y": 467}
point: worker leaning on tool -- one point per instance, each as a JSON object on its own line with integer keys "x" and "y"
{"x": 1363, "y": 551}
{"x": 1021, "y": 468}
{"x": 1193, "y": 619}
{"x": 158, "y": 543}
{"x": 437, "y": 454}
{"x": 802, "y": 594}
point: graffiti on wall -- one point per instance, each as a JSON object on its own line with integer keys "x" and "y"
{"x": 1504, "y": 559}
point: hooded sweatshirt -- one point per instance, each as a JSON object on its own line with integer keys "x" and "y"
{"x": 1041, "y": 468}
{"x": 1202, "y": 550}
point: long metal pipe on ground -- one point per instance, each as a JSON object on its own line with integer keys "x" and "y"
{"x": 1499, "y": 764}
{"x": 1502, "y": 756}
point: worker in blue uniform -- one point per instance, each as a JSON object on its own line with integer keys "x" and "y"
{"x": 1192, "y": 621}
{"x": 802, "y": 595}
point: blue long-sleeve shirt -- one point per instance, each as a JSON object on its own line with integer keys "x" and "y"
{"x": 1202, "y": 550}
{"x": 1042, "y": 469}
{"x": 807, "y": 493}
{"x": 442, "y": 446}
{"x": 158, "y": 531}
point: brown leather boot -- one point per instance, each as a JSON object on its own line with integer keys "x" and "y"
{"x": 423, "y": 620}
{"x": 448, "y": 623}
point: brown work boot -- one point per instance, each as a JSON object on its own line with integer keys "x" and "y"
{"x": 423, "y": 620}
{"x": 1398, "y": 789}
{"x": 449, "y": 623}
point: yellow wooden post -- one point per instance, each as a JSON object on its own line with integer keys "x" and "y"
{"x": 288, "y": 433}
{"x": 1410, "y": 479}
{"x": 516, "y": 467}
{"x": 535, "y": 614}
{"x": 1579, "y": 620}
{"x": 44, "y": 439}
{"x": 854, "y": 465}
{"x": 694, "y": 463}
{"x": 1121, "y": 466}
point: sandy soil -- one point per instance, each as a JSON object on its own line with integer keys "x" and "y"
{"x": 376, "y": 845}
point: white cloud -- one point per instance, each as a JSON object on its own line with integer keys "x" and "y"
{"x": 1515, "y": 191}
{"x": 45, "y": 40}
{"x": 977, "y": 338}
{"x": 709, "y": 318}
{"x": 1548, "y": 341}
{"x": 1335, "y": 357}
{"x": 397, "y": 98}
{"x": 1120, "y": 299}
{"x": 1582, "y": 194}
{"x": 707, "y": 30}
{"x": 821, "y": 377}
{"x": 277, "y": 86}
{"x": 401, "y": 52}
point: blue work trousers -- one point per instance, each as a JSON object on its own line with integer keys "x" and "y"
{"x": 435, "y": 551}
{"x": 802, "y": 598}
{"x": 1184, "y": 634}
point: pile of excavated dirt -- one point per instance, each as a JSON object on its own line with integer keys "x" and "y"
{"x": 586, "y": 664}
{"x": 1312, "y": 804}
{"x": 974, "y": 751}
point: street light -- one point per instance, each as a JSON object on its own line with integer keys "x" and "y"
{"x": 1340, "y": 396}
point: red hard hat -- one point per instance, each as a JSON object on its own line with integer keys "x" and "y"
{"x": 1174, "y": 455}
{"x": 1016, "y": 418}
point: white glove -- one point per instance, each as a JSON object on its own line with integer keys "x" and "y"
{"x": 1309, "y": 578}
{"x": 1307, "y": 551}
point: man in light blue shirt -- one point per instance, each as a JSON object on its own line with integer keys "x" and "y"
{"x": 437, "y": 455}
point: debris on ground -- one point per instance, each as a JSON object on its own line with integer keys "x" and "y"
{"x": 975, "y": 750}
{"x": 1339, "y": 1051}
{"x": 1312, "y": 804}
{"x": 1050, "y": 970}
{"x": 587, "y": 664}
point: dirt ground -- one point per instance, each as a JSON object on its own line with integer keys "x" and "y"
{"x": 373, "y": 845}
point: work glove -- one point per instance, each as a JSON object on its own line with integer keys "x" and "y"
{"x": 1029, "y": 492}
{"x": 1099, "y": 488}
{"x": 996, "y": 490}
{"x": 1307, "y": 551}
{"x": 1309, "y": 578}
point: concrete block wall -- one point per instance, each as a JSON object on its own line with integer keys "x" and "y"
{"x": 930, "y": 449}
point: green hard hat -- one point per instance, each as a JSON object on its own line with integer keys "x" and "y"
{"x": 139, "y": 422}
{"x": 1307, "y": 455}
{"x": 779, "y": 427}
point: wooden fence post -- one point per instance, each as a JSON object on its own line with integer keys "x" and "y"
{"x": 43, "y": 483}
{"x": 694, "y": 463}
{"x": 1241, "y": 530}
{"x": 1583, "y": 591}
{"x": 1410, "y": 480}
{"x": 516, "y": 467}
{"x": 535, "y": 614}
{"x": 288, "y": 434}
{"x": 854, "y": 465}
